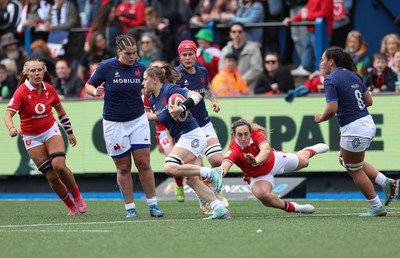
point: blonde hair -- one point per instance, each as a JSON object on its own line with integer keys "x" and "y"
{"x": 25, "y": 71}
{"x": 386, "y": 38}
{"x": 357, "y": 35}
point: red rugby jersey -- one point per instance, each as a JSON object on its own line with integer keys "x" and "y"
{"x": 35, "y": 111}
{"x": 236, "y": 155}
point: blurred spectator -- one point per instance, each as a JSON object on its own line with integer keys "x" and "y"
{"x": 396, "y": 69}
{"x": 131, "y": 14}
{"x": 107, "y": 23}
{"x": 248, "y": 53}
{"x": 207, "y": 53}
{"x": 275, "y": 79}
{"x": 313, "y": 9}
{"x": 34, "y": 15}
{"x": 164, "y": 8}
{"x": 64, "y": 15}
{"x": 273, "y": 13}
{"x": 249, "y": 11}
{"x": 10, "y": 14}
{"x": 175, "y": 33}
{"x": 341, "y": 22}
{"x": 40, "y": 50}
{"x": 297, "y": 33}
{"x": 357, "y": 48}
{"x": 381, "y": 78}
{"x": 154, "y": 23}
{"x": 228, "y": 82}
{"x": 97, "y": 52}
{"x": 150, "y": 48}
{"x": 390, "y": 44}
{"x": 315, "y": 82}
{"x": 8, "y": 83}
{"x": 11, "y": 50}
{"x": 67, "y": 84}
{"x": 208, "y": 11}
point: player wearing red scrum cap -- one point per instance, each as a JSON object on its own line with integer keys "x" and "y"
{"x": 195, "y": 78}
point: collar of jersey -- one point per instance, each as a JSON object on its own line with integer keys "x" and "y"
{"x": 30, "y": 87}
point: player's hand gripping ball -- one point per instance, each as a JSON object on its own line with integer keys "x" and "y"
{"x": 175, "y": 99}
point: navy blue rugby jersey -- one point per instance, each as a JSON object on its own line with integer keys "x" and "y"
{"x": 123, "y": 89}
{"x": 160, "y": 106}
{"x": 347, "y": 88}
{"x": 196, "y": 82}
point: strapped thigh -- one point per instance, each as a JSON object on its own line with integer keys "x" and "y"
{"x": 45, "y": 166}
{"x": 353, "y": 167}
{"x": 173, "y": 160}
{"x": 57, "y": 154}
{"x": 213, "y": 149}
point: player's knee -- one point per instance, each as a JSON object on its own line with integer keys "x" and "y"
{"x": 265, "y": 197}
{"x": 143, "y": 164}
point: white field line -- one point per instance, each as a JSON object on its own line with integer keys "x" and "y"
{"x": 54, "y": 231}
{"x": 291, "y": 215}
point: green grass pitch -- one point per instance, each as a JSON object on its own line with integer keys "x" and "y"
{"x": 42, "y": 229}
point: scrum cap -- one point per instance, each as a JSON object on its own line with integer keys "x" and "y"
{"x": 187, "y": 45}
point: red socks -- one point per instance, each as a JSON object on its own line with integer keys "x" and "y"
{"x": 289, "y": 207}
{"x": 311, "y": 151}
{"x": 75, "y": 192}
{"x": 67, "y": 200}
{"x": 178, "y": 181}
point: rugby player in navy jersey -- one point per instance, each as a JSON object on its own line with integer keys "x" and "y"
{"x": 195, "y": 78}
{"x": 348, "y": 98}
{"x": 125, "y": 124}
{"x": 185, "y": 159}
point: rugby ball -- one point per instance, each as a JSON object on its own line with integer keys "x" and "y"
{"x": 174, "y": 99}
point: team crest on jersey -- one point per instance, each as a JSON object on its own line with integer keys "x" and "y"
{"x": 137, "y": 73}
{"x": 47, "y": 95}
{"x": 116, "y": 74}
{"x": 29, "y": 96}
{"x": 202, "y": 80}
{"x": 164, "y": 101}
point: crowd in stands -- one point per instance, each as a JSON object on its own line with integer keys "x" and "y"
{"x": 74, "y": 36}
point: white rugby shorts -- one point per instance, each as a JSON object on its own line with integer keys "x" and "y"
{"x": 123, "y": 136}
{"x": 358, "y": 135}
{"x": 193, "y": 141}
{"x": 31, "y": 141}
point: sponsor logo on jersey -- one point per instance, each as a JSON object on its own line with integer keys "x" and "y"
{"x": 40, "y": 108}
{"x": 122, "y": 80}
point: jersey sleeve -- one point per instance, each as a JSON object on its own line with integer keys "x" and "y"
{"x": 15, "y": 102}
{"x": 330, "y": 90}
{"x": 97, "y": 76}
{"x": 259, "y": 137}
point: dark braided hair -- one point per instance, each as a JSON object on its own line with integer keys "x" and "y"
{"x": 341, "y": 58}
{"x": 124, "y": 40}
